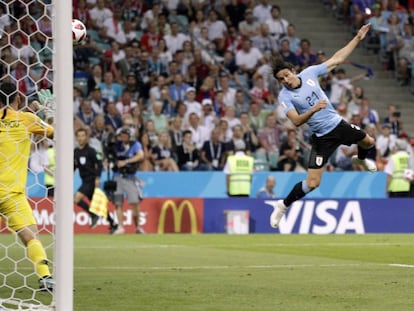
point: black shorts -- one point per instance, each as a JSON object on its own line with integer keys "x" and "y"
{"x": 87, "y": 188}
{"x": 324, "y": 146}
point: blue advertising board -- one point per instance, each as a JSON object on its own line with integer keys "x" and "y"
{"x": 347, "y": 185}
{"x": 317, "y": 216}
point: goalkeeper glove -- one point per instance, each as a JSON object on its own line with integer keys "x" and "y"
{"x": 47, "y": 102}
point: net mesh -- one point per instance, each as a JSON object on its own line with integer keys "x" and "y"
{"x": 26, "y": 50}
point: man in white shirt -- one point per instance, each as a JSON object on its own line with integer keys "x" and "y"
{"x": 190, "y": 102}
{"x": 99, "y": 14}
{"x": 261, "y": 11}
{"x": 113, "y": 27}
{"x": 248, "y": 58}
{"x": 229, "y": 93}
{"x": 175, "y": 40}
{"x": 216, "y": 28}
{"x": 200, "y": 134}
{"x": 277, "y": 25}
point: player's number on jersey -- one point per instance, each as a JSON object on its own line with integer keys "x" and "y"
{"x": 355, "y": 127}
{"x": 312, "y": 99}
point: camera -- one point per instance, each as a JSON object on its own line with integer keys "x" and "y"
{"x": 396, "y": 114}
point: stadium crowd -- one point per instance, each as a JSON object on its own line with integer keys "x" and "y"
{"x": 189, "y": 79}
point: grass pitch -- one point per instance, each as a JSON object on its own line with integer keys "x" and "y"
{"x": 251, "y": 272}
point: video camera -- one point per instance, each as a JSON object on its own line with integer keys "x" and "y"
{"x": 111, "y": 150}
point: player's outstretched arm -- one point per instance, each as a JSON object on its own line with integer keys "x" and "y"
{"x": 341, "y": 55}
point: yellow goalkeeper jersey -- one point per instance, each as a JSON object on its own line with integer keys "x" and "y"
{"x": 16, "y": 128}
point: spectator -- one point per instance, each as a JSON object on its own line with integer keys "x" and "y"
{"x": 111, "y": 91}
{"x": 384, "y": 144}
{"x": 113, "y": 28}
{"x": 277, "y": 25}
{"x": 212, "y": 153}
{"x": 225, "y": 133}
{"x": 98, "y": 103}
{"x": 126, "y": 104}
{"x": 369, "y": 115}
{"x": 86, "y": 114}
{"x": 113, "y": 119}
{"x": 393, "y": 118}
{"x": 248, "y": 58}
{"x": 22, "y": 51}
{"x": 287, "y": 54}
{"x": 191, "y": 103}
{"x": 176, "y": 135}
{"x": 175, "y": 40}
{"x": 264, "y": 41}
{"x": 291, "y": 153}
{"x": 230, "y": 117}
{"x": 260, "y": 93}
{"x": 217, "y": 30}
{"x": 151, "y": 15}
{"x": 208, "y": 116}
{"x": 294, "y": 41}
{"x": 165, "y": 55}
{"x": 267, "y": 191}
{"x": 99, "y": 14}
{"x": 343, "y": 158}
{"x": 257, "y": 116}
{"x": 149, "y": 140}
{"x": 249, "y": 27}
{"x": 261, "y": 11}
{"x": 178, "y": 88}
{"x": 249, "y": 136}
{"x": 235, "y": 11}
{"x": 95, "y": 79}
{"x": 229, "y": 93}
{"x": 241, "y": 104}
{"x": 306, "y": 56}
{"x": 160, "y": 120}
{"x": 269, "y": 138}
{"x": 162, "y": 154}
{"x": 200, "y": 134}
{"x": 339, "y": 84}
{"x": 188, "y": 154}
{"x": 150, "y": 38}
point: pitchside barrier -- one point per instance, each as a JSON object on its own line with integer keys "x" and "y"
{"x": 345, "y": 203}
{"x": 345, "y": 185}
{"x": 244, "y": 215}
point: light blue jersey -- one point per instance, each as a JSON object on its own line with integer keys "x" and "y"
{"x": 308, "y": 94}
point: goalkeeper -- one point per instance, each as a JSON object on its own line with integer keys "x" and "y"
{"x": 16, "y": 128}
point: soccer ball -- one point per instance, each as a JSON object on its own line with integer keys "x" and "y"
{"x": 78, "y": 31}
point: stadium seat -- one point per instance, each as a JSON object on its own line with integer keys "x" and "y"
{"x": 261, "y": 166}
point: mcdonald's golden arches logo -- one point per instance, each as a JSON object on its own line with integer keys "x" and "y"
{"x": 177, "y": 210}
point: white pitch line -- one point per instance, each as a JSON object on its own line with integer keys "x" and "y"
{"x": 166, "y": 246}
{"x": 401, "y": 265}
{"x": 141, "y": 268}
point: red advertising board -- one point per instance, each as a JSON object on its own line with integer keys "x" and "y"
{"x": 157, "y": 215}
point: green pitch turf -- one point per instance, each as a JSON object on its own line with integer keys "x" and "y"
{"x": 252, "y": 272}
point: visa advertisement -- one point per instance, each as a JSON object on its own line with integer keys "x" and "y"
{"x": 317, "y": 216}
{"x": 247, "y": 216}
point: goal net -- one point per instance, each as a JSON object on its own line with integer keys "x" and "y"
{"x": 28, "y": 61}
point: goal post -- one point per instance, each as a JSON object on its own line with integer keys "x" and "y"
{"x": 63, "y": 90}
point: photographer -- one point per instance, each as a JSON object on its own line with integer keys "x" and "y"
{"x": 127, "y": 155}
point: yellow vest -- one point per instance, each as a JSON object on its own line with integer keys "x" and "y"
{"x": 398, "y": 182}
{"x": 50, "y": 179}
{"x": 241, "y": 169}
